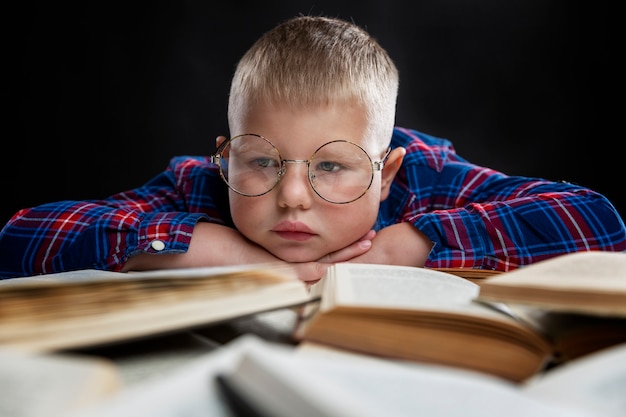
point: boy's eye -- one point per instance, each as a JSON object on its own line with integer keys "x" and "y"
{"x": 327, "y": 166}
{"x": 265, "y": 163}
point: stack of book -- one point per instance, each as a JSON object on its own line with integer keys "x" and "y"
{"x": 551, "y": 321}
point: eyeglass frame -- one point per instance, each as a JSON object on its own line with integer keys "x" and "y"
{"x": 216, "y": 157}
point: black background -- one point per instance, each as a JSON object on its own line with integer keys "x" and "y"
{"x": 101, "y": 94}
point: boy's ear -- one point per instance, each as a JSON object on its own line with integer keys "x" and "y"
{"x": 219, "y": 141}
{"x": 392, "y": 165}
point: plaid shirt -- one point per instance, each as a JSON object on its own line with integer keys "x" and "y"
{"x": 476, "y": 217}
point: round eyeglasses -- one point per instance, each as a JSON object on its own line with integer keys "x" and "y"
{"x": 339, "y": 171}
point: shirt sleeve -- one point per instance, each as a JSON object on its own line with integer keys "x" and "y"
{"x": 481, "y": 218}
{"x": 101, "y": 234}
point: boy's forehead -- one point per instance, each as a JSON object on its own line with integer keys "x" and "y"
{"x": 288, "y": 126}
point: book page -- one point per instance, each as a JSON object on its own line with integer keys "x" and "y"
{"x": 581, "y": 270}
{"x": 53, "y": 385}
{"x": 188, "y": 391}
{"x": 341, "y": 384}
{"x": 400, "y": 287}
{"x": 82, "y": 276}
{"x": 381, "y": 285}
{"x": 361, "y": 386}
{"x": 582, "y": 282}
{"x": 595, "y": 383}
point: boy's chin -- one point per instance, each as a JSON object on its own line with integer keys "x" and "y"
{"x": 298, "y": 256}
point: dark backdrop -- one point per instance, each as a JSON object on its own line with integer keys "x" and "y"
{"x": 101, "y": 94}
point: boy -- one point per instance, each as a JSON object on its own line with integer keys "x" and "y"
{"x": 314, "y": 173}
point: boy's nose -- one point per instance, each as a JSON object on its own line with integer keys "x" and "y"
{"x": 294, "y": 189}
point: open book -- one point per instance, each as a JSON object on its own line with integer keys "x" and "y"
{"x": 319, "y": 382}
{"x": 88, "y": 307}
{"x": 583, "y": 282}
{"x": 310, "y": 380}
{"x": 578, "y": 300}
{"x": 437, "y": 317}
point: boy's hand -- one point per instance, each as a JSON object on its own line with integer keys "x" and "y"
{"x": 311, "y": 272}
{"x": 348, "y": 253}
{"x": 216, "y": 245}
{"x": 398, "y": 244}
{"x": 211, "y": 245}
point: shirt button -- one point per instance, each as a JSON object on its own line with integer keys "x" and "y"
{"x": 157, "y": 245}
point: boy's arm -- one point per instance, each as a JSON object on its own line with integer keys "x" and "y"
{"x": 500, "y": 223}
{"x": 158, "y": 217}
{"x": 214, "y": 244}
{"x": 477, "y": 217}
{"x": 540, "y": 220}
{"x": 69, "y": 235}
{"x": 502, "y": 235}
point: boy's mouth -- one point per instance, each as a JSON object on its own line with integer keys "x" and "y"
{"x": 296, "y": 231}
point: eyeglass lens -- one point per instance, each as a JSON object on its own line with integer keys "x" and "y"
{"x": 339, "y": 171}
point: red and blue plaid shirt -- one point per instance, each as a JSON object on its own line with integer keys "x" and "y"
{"x": 476, "y": 217}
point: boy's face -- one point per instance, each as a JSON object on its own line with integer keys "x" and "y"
{"x": 292, "y": 221}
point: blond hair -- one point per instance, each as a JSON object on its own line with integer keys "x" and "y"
{"x": 314, "y": 60}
